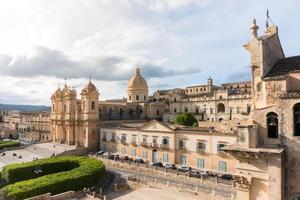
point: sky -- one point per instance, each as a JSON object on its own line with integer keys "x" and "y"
{"x": 177, "y": 43}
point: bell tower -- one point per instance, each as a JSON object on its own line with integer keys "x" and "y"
{"x": 265, "y": 51}
{"x": 90, "y": 115}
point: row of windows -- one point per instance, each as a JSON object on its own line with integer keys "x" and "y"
{"x": 222, "y": 165}
{"x": 93, "y": 107}
{"x": 197, "y": 89}
{"x": 220, "y": 109}
{"x": 137, "y": 98}
{"x": 200, "y": 146}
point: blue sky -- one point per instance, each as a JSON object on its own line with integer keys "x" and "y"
{"x": 176, "y": 42}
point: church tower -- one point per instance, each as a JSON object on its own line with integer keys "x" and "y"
{"x": 265, "y": 51}
{"x": 137, "y": 88}
{"x": 90, "y": 115}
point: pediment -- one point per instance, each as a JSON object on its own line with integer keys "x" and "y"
{"x": 156, "y": 126}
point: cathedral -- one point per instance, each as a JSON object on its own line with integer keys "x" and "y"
{"x": 75, "y": 121}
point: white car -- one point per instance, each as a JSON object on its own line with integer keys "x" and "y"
{"x": 170, "y": 166}
{"x": 184, "y": 168}
{"x": 99, "y": 153}
{"x": 106, "y": 154}
{"x": 203, "y": 173}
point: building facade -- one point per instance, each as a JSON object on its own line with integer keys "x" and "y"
{"x": 75, "y": 121}
{"x": 38, "y": 128}
{"x": 156, "y": 141}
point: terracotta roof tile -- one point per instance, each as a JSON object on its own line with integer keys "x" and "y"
{"x": 290, "y": 94}
{"x": 283, "y": 67}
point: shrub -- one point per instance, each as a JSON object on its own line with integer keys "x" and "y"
{"x": 83, "y": 172}
{"x": 186, "y": 119}
{"x": 9, "y": 144}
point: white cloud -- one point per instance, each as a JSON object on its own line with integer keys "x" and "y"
{"x": 43, "y": 41}
{"x": 167, "y": 5}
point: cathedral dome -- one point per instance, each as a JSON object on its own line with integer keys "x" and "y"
{"x": 137, "y": 82}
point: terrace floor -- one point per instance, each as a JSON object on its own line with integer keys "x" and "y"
{"x": 42, "y": 150}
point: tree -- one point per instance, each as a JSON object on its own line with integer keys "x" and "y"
{"x": 186, "y": 119}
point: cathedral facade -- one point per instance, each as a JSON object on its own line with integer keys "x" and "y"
{"x": 76, "y": 121}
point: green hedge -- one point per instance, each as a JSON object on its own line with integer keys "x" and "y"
{"x": 83, "y": 172}
{"x": 9, "y": 144}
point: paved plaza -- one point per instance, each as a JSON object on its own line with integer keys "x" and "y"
{"x": 42, "y": 150}
{"x": 145, "y": 193}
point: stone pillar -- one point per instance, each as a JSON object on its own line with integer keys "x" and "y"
{"x": 243, "y": 187}
{"x": 275, "y": 185}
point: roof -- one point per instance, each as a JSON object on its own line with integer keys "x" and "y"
{"x": 263, "y": 149}
{"x": 139, "y": 125}
{"x": 283, "y": 67}
{"x": 237, "y": 82}
{"x": 290, "y": 95}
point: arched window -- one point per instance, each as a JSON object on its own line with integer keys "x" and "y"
{"x": 221, "y": 107}
{"x": 296, "y": 111}
{"x": 272, "y": 125}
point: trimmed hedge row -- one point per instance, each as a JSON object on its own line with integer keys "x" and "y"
{"x": 19, "y": 172}
{"x": 83, "y": 172}
{"x": 9, "y": 144}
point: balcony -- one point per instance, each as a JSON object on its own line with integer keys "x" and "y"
{"x": 182, "y": 148}
{"x": 164, "y": 146}
{"x": 200, "y": 150}
{"x": 133, "y": 143}
{"x": 123, "y": 141}
{"x": 144, "y": 144}
{"x": 113, "y": 140}
{"x": 104, "y": 139}
{"x": 221, "y": 152}
{"x": 154, "y": 145}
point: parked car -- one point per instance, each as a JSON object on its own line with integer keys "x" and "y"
{"x": 99, "y": 153}
{"x": 124, "y": 158}
{"x": 130, "y": 159}
{"x": 170, "y": 166}
{"x": 139, "y": 160}
{"x": 213, "y": 174}
{"x": 157, "y": 164}
{"x": 192, "y": 173}
{"x": 226, "y": 177}
{"x": 106, "y": 154}
{"x": 184, "y": 168}
{"x": 111, "y": 156}
{"x": 203, "y": 173}
{"x": 117, "y": 157}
